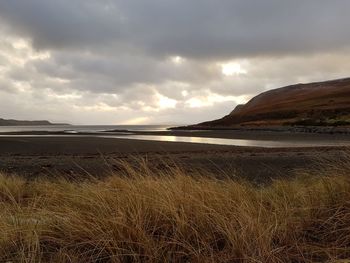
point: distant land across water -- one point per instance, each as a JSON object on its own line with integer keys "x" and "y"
{"x": 12, "y": 122}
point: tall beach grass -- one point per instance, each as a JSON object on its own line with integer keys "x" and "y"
{"x": 145, "y": 215}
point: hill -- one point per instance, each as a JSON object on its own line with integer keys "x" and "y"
{"x": 4, "y": 122}
{"x": 314, "y": 104}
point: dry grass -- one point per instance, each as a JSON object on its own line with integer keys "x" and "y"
{"x": 150, "y": 216}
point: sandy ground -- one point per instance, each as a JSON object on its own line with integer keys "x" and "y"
{"x": 78, "y": 157}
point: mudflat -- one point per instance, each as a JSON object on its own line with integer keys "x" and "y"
{"x": 82, "y": 156}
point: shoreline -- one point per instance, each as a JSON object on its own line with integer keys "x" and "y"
{"x": 248, "y": 134}
{"x": 82, "y": 157}
{"x": 290, "y": 129}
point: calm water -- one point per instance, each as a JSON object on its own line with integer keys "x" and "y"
{"x": 84, "y": 128}
{"x": 235, "y": 142}
{"x": 216, "y": 141}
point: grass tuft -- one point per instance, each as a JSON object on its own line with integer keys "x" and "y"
{"x": 148, "y": 215}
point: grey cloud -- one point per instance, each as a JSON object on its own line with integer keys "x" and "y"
{"x": 221, "y": 29}
{"x": 112, "y": 74}
{"x": 199, "y": 29}
{"x": 60, "y": 24}
{"x": 6, "y": 86}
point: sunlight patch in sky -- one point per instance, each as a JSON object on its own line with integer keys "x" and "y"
{"x": 184, "y": 93}
{"x": 165, "y": 102}
{"x": 19, "y": 51}
{"x": 177, "y": 60}
{"x": 231, "y": 69}
{"x": 136, "y": 121}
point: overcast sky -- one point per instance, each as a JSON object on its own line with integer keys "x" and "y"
{"x": 161, "y": 61}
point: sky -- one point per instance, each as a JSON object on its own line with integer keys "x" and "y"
{"x": 161, "y": 61}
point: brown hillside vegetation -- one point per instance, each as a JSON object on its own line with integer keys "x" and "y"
{"x": 319, "y": 104}
{"x": 168, "y": 216}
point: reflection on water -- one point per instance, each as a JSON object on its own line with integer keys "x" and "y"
{"x": 216, "y": 141}
{"x": 233, "y": 142}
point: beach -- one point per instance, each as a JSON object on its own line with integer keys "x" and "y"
{"x": 87, "y": 155}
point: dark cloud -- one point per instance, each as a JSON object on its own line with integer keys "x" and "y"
{"x": 200, "y": 29}
{"x": 237, "y": 28}
{"x": 62, "y": 24}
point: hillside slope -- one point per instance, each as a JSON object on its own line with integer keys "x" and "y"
{"x": 314, "y": 104}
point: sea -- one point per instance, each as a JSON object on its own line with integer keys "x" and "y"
{"x": 83, "y": 128}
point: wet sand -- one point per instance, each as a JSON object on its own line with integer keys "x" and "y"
{"x": 78, "y": 157}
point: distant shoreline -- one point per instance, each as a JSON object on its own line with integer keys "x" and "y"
{"x": 12, "y": 122}
{"x": 34, "y": 125}
{"x": 291, "y": 129}
{"x": 297, "y": 135}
